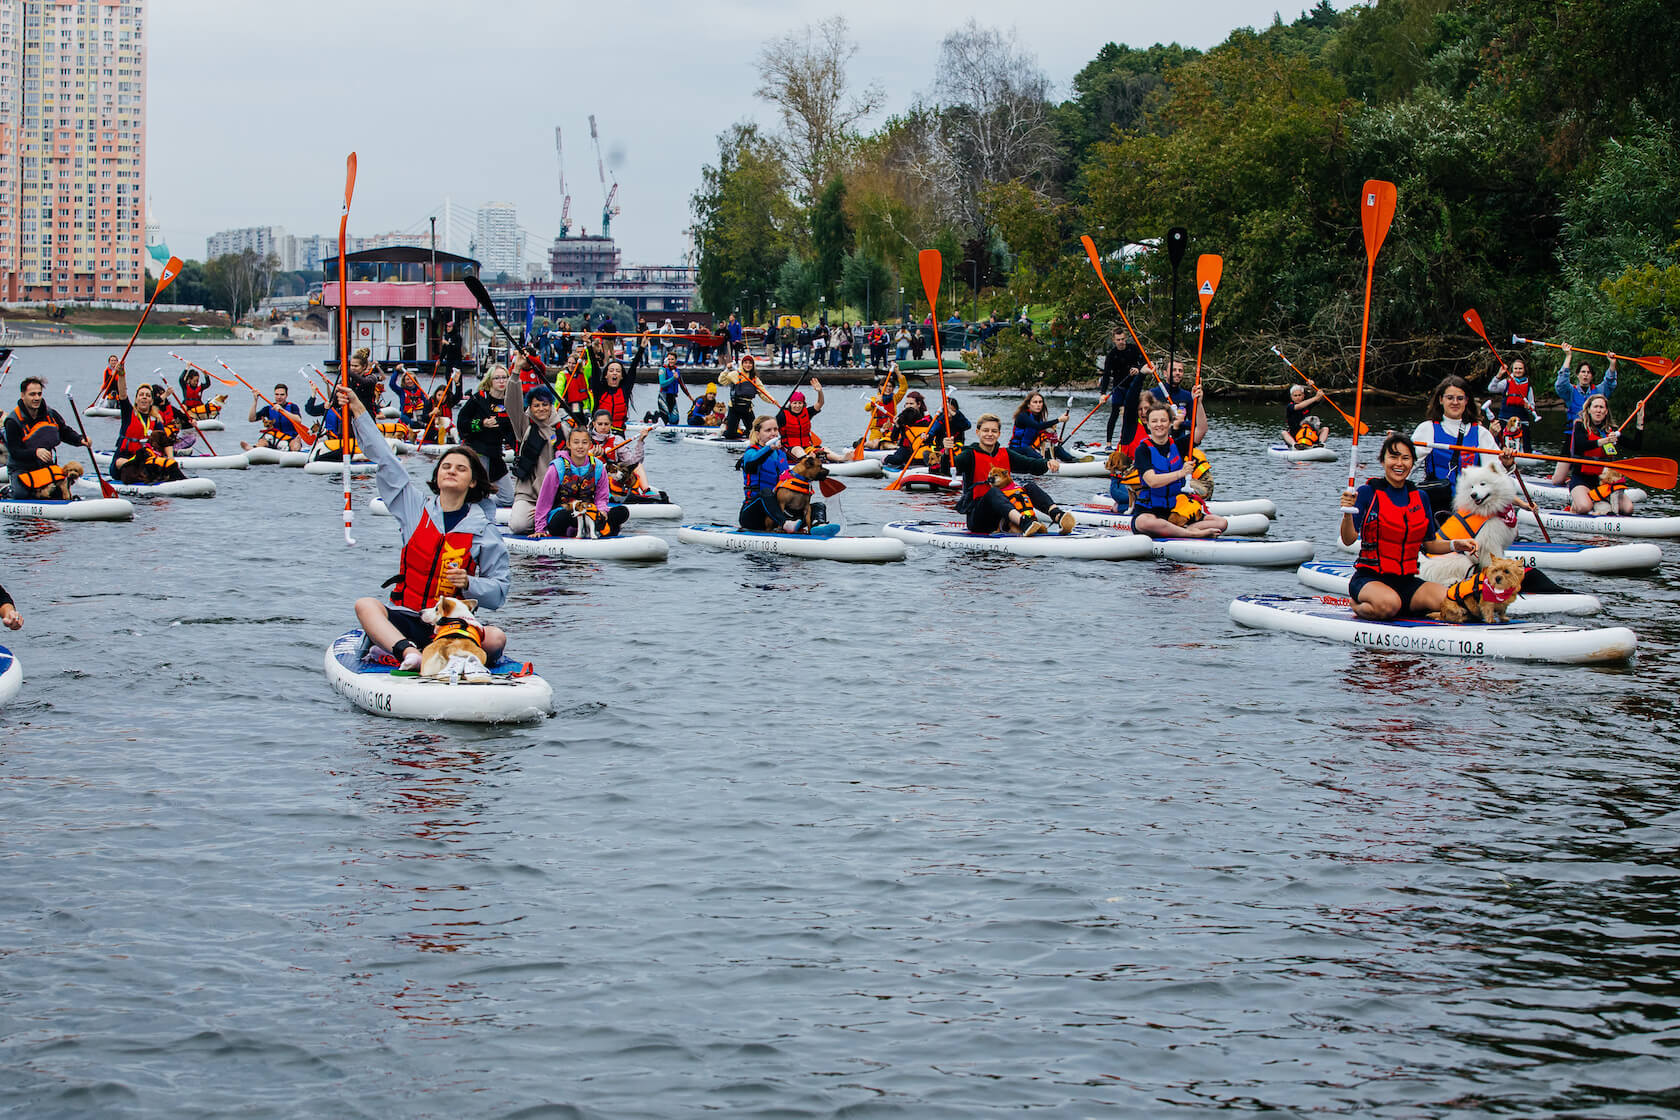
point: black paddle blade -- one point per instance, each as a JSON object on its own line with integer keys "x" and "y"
{"x": 1178, "y": 239}
{"x": 476, "y": 287}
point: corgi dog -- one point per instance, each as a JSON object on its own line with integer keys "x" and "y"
{"x": 457, "y": 646}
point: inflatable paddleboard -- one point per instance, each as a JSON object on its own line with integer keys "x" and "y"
{"x": 1096, "y": 468}
{"x": 1332, "y": 617}
{"x": 100, "y": 410}
{"x": 633, "y": 547}
{"x": 639, "y": 511}
{"x": 275, "y": 457}
{"x": 1302, "y": 455}
{"x": 1103, "y": 503}
{"x": 1539, "y": 490}
{"x": 1333, "y": 576}
{"x": 1605, "y": 525}
{"x": 857, "y": 468}
{"x": 822, "y": 543}
{"x": 380, "y": 689}
{"x": 237, "y": 462}
{"x": 1566, "y": 556}
{"x": 922, "y": 480}
{"x": 716, "y": 441}
{"x": 1241, "y": 524}
{"x": 357, "y": 467}
{"x": 1084, "y": 543}
{"x": 210, "y": 426}
{"x": 178, "y": 488}
{"x": 77, "y": 509}
{"x": 669, "y": 429}
{"x": 1233, "y": 550}
{"x": 11, "y": 676}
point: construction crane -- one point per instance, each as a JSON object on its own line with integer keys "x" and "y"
{"x": 609, "y": 198}
{"x": 565, "y": 199}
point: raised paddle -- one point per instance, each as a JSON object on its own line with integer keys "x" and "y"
{"x": 1096, "y": 263}
{"x": 191, "y": 419}
{"x": 1658, "y": 474}
{"x": 171, "y": 269}
{"x": 1364, "y": 429}
{"x": 931, "y": 265}
{"x": 345, "y": 443}
{"x": 916, "y": 442}
{"x": 303, "y": 431}
{"x": 1656, "y": 363}
{"x": 476, "y": 287}
{"x": 1082, "y": 420}
{"x": 105, "y": 488}
{"x": 1475, "y": 321}
{"x": 1645, "y": 400}
{"x": 1376, "y": 213}
{"x": 1209, "y": 268}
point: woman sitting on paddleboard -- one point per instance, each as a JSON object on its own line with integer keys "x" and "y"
{"x": 1451, "y": 419}
{"x": 1163, "y": 462}
{"x": 575, "y": 490}
{"x": 1595, "y": 437}
{"x": 144, "y": 438}
{"x": 1034, "y": 430}
{"x": 450, "y": 544}
{"x": 1392, "y": 520}
{"x": 988, "y": 507}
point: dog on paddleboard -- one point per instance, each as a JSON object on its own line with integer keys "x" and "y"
{"x": 794, "y": 490}
{"x": 1482, "y": 492}
{"x": 1484, "y": 594}
{"x": 457, "y": 646}
{"x": 1004, "y": 483}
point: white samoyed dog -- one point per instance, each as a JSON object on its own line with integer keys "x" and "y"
{"x": 1481, "y": 492}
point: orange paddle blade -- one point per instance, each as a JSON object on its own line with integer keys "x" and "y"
{"x": 1475, "y": 322}
{"x": 1658, "y": 474}
{"x": 171, "y": 269}
{"x": 1657, "y": 364}
{"x": 830, "y": 486}
{"x": 349, "y": 180}
{"x": 932, "y": 266}
{"x": 1209, "y": 268}
{"x": 1376, "y": 211}
{"x": 1091, "y": 251}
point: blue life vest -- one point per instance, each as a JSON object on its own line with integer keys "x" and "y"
{"x": 1442, "y": 465}
{"x": 1161, "y": 460}
{"x": 578, "y": 484}
{"x": 760, "y": 468}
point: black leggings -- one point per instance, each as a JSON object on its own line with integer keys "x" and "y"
{"x": 737, "y": 418}
{"x": 562, "y": 522}
{"x": 991, "y": 512}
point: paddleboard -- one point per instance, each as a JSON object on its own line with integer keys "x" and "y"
{"x": 210, "y": 426}
{"x": 237, "y": 462}
{"x": 77, "y": 509}
{"x": 1241, "y": 524}
{"x": 716, "y": 441}
{"x": 635, "y": 547}
{"x": 1332, "y": 617}
{"x": 857, "y": 468}
{"x": 177, "y": 488}
{"x": 1103, "y": 503}
{"x": 1084, "y": 543}
{"x": 275, "y": 457}
{"x": 433, "y": 450}
{"x": 1568, "y": 556}
{"x": 357, "y": 467}
{"x": 921, "y": 480}
{"x": 639, "y": 511}
{"x": 1233, "y": 550}
{"x": 670, "y": 429}
{"x": 822, "y": 543}
{"x": 1333, "y": 576}
{"x": 1096, "y": 468}
{"x": 1302, "y": 455}
{"x": 100, "y": 410}
{"x": 1546, "y": 490}
{"x": 379, "y": 689}
{"x": 11, "y": 676}
{"x": 1606, "y": 525}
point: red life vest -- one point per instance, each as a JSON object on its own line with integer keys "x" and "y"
{"x": 1516, "y": 393}
{"x": 617, "y": 406}
{"x": 983, "y": 464}
{"x": 425, "y": 555}
{"x": 796, "y": 428}
{"x": 1393, "y": 534}
{"x": 192, "y": 395}
{"x": 136, "y": 437}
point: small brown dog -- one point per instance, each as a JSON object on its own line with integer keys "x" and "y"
{"x": 793, "y": 489}
{"x": 1004, "y": 483}
{"x": 457, "y": 645}
{"x": 1487, "y": 593}
{"x": 63, "y": 476}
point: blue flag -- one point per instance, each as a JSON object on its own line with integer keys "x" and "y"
{"x": 530, "y": 314}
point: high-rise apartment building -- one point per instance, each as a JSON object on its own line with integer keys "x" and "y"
{"x": 500, "y": 244}
{"x": 72, "y": 149}
{"x": 262, "y": 240}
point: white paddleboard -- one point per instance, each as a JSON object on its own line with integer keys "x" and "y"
{"x": 100, "y": 410}
{"x": 1606, "y": 525}
{"x": 716, "y": 441}
{"x": 237, "y": 462}
{"x": 323, "y": 466}
{"x": 11, "y": 676}
{"x": 824, "y": 543}
{"x": 1105, "y": 504}
{"x": 1302, "y": 455}
{"x": 632, "y": 547}
{"x": 1233, "y": 550}
{"x": 1084, "y": 543}
{"x": 77, "y": 509}
{"x": 177, "y": 488}
{"x": 1546, "y": 490}
{"x": 1241, "y": 524}
{"x": 1568, "y": 556}
{"x": 857, "y": 468}
{"x": 504, "y": 698}
{"x": 1333, "y": 576}
{"x": 210, "y": 426}
{"x": 1333, "y": 618}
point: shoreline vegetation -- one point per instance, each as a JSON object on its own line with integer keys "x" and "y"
{"x": 1534, "y": 147}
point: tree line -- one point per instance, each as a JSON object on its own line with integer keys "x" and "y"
{"x": 235, "y": 282}
{"x": 1533, "y": 144}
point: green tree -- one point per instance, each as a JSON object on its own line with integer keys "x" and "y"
{"x": 865, "y": 282}
{"x": 742, "y": 219}
{"x": 831, "y": 235}
{"x": 796, "y": 285}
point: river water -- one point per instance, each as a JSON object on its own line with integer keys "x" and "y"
{"x": 955, "y": 837}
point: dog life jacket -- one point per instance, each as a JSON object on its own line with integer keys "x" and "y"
{"x": 39, "y": 435}
{"x": 458, "y": 628}
{"x": 984, "y": 464}
{"x": 1442, "y": 465}
{"x": 1476, "y": 584}
{"x": 1018, "y": 498}
{"x": 1464, "y": 525}
{"x": 1162, "y": 460}
{"x": 616, "y": 404}
{"x": 1393, "y": 533}
{"x": 1307, "y": 436}
{"x": 271, "y": 421}
{"x": 787, "y": 480}
{"x": 796, "y": 428}
{"x": 425, "y": 555}
{"x": 1604, "y": 489}
{"x": 1189, "y": 506}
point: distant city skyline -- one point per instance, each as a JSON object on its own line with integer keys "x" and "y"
{"x": 491, "y": 90}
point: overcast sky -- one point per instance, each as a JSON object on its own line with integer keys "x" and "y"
{"x": 253, "y": 106}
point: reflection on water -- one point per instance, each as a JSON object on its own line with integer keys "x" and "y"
{"x": 963, "y": 835}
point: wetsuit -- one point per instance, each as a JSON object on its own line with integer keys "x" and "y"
{"x": 1029, "y": 435}
{"x": 985, "y": 507}
{"x": 670, "y": 384}
{"x": 740, "y": 414}
{"x": 1119, "y": 381}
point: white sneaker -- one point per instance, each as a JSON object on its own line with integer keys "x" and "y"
{"x": 410, "y": 661}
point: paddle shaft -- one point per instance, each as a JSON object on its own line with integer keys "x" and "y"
{"x": 1658, "y": 473}
{"x": 1529, "y": 498}
{"x": 170, "y": 389}
{"x": 106, "y": 490}
{"x": 1317, "y": 390}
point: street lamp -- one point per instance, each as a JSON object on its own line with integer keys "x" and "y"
{"x": 822, "y": 310}
{"x": 901, "y": 305}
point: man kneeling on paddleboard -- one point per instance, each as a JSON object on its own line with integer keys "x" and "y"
{"x": 451, "y": 545}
